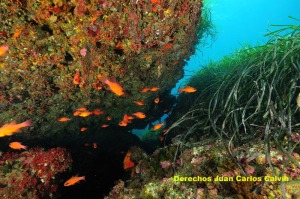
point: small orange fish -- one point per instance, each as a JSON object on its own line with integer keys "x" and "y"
{"x": 130, "y": 117}
{"x": 83, "y": 129}
{"x": 158, "y": 126}
{"x": 64, "y": 119}
{"x": 81, "y": 109}
{"x": 187, "y": 89}
{"x": 155, "y": 1}
{"x": 104, "y": 125}
{"x": 124, "y": 122}
{"x": 85, "y": 114}
{"x": 114, "y": 87}
{"x": 17, "y": 145}
{"x": 11, "y": 128}
{"x": 139, "y": 115}
{"x": 161, "y": 138}
{"x": 95, "y": 145}
{"x": 165, "y": 130}
{"x": 144, "y": 90}
{"x": 156, "y": 100}
{"x": 76, "y": 79}
{"x": 97, "y": 111}
{"x": 76, "y": 113}
{"x": 127, "y": 163}
{"x": 108, "y": 118}
{"x": 3, "y": 49}
{"x": 73, "y": 180}
{"x": 140, "y": 103}
{"x": 154, "y": 89}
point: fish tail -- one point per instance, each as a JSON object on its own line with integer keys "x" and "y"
{"x": 180, "y": 90}
{"x": 24, "y": 147}
{"x": 104, "y": 80}
{"x": 83, "y": 177}
{"x": 26, "y": 123}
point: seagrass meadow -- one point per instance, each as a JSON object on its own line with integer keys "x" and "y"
{"x": 248, "y": 98}
{"x": 249, "y": 93}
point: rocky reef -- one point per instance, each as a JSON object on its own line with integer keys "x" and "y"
{"x": 138, "y": 44}
{"x": 208, "y": 170}
{"x": 32, "y": 173}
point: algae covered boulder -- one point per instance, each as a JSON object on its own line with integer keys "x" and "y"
{"x": 59, "y": 52}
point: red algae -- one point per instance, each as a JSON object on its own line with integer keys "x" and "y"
{"x": 32, "y": 174}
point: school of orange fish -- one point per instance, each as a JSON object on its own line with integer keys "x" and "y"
{"x": 11, "y": 128}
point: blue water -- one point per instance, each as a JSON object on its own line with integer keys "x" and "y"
{"x": 238, "y": 23}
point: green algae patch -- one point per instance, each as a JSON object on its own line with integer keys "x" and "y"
{"x": 137, "y": 44}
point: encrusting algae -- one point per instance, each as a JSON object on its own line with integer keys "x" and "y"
{"x": 54, "y": 53}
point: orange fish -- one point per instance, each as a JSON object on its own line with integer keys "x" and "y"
{"x": 165, "y": 130}
{"x": 104, "y": 125}
{"x": 124, "y": 122}
{"x": 83, "y": 129}
{"x": 114, "y": 87}
{"x": 17, "y": 145}
{"x": 81, "y": 109}
{"x": 95, "y": 145}
{"x": 140, "y": 103}
{"x": 127, "y": 163}
{"x": 130, "y": 117}
{"x": 155, "y": 1}
{"x": 158, "y": 126}
{"x": 85, "y": 113}
{"x": 76, "y": 79}
{"x": 64, "y": 119}
{"x": 9, "y": 129}
{"x": 108, "y": 118}
{"x": 156, "y": 100}
{"x": 187, "y": 89}
{"x": 76, "y": 113}
{"x": 139, "y": 115}
{"x": 144, "y": 90}
{"x": 154, "y": 89}
{"x": 73, "y": 180}
{"x": 3, "y": 49}
{"x": 97, "y": 111}
{"x": 161, "y": 138}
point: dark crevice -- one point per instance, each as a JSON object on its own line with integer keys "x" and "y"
{"x": 47, "y": 29}
{"x": 68, "y": 57}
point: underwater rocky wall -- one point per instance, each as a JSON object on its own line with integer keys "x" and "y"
{"x": 62, "y": 52}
